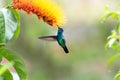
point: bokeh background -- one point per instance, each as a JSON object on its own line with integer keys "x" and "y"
{"x": 85, "y": 37}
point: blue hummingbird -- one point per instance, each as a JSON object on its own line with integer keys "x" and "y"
{"x": 59, "y": 38}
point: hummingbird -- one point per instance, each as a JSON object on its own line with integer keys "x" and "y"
{"x": 59, "y": 38}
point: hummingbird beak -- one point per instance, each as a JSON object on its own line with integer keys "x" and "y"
{"x": 58, "y": 27}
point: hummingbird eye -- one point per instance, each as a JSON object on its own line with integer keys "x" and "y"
{"x": 60, "y": 29}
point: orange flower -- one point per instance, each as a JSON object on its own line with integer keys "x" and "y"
{"x": 50, "y": 12}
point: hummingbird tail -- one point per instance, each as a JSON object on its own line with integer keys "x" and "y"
{"x": 65, "y": 49}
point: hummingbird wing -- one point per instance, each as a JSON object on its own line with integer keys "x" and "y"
{"x": 48, "y": 38}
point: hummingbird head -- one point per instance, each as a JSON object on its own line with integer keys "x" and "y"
{"x": 60, "y": 30}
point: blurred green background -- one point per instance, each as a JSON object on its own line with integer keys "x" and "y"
{"x": 85, "y": 37}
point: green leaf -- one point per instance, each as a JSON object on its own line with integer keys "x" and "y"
{"x": 0, "y": 59}
{"x": 118, "y": 27}
{"x": 9, "y": 24}
{"x": 119, "y": 5}
{"x": 2, "y": 29}
{"x": 106, "y": 7}
{"x": 117, "y": 76}
{"x": 6, "y": 75}
{"x": 116, "y": 46}
{"x": 114, "y": 15}
{"x": 113, "y": 58}
{"x": 110, "y": 43}
{"x": 113, "y": 43}
{"x": 113, "y": 35}
{"x": 17, "y": 16}
{"x": 5, "y": 67}
{"x": 18, "y": 62}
